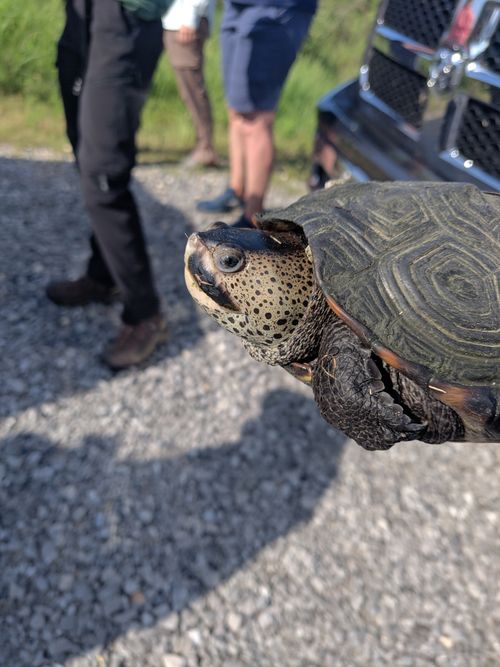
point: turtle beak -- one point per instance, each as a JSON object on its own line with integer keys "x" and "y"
{"x": 200, "y": 276}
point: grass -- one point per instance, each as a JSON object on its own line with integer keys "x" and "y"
{"x": 31, "y": 112}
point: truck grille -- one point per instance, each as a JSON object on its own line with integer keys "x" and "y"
{"x": 479, "y": 137}
{"x": 492, "y": 53}
{"x": 402, "y": 90}
{"x": 421, "y": 20}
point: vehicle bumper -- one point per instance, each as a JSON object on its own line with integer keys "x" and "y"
{"x": 343, "y": 143}
{"x": 359, "y": 140}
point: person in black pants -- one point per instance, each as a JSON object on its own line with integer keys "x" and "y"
{"x": 106, "y": 59}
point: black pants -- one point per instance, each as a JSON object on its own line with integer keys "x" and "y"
{"x": 106, "y": 59}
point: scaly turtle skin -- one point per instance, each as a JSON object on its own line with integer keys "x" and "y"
{"x": 385, "y": 296}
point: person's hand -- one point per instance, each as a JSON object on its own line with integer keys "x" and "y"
{"x": 185, "y": 34}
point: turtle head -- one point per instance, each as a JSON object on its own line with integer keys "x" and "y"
{"x": 255, "y": 283}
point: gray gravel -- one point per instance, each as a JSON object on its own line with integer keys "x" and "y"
{"x": 198, "y": 511}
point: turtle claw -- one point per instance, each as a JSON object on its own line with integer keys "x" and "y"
{"x": 373, "y": 369}
{"x": 385, "y": 398}
{"x": 394, "y": 416}
{"x": 376, "y": 387}
{"x": 390, "y": 412}
{"x": 414, "y": 427}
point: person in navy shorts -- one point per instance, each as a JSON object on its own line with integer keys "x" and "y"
{"x": 260, "y": 40}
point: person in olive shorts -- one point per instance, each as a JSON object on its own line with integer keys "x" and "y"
{"x": 106, "y": 58}
{"x": 259, "y": 40}
{"x": 186, "y": 27}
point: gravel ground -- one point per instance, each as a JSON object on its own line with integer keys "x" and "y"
{"x": 197, "y": 511}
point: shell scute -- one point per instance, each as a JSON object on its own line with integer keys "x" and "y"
{"x": 413, "y": 268}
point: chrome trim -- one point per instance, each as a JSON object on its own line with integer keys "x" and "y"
{"x": 479, "y": 83}
{"x": 454, "y": 74}
{"x": 403, "y": 126}
{"x": 475, "y": 70}
{"x": 419, "y": 58}
{"x": 324, "y": 105}
{"x": 356, "y": 172}
{"x": 481, "y": 42}
{"x": 412, "y": 55}
{"x": 457, "y": 160}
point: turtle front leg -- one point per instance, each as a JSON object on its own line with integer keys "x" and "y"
{"x": 351, "y": 396}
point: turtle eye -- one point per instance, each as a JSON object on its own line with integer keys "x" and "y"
{"x": 229, "y": 258}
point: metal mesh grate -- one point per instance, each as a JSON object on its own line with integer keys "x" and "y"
{"x": 479, "y": 137}
{"x": 422, "y": 20}
{"x": 402, "y": 90}
{"x": 492, "y": 53}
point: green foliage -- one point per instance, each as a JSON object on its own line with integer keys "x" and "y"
{"x": 29, "y": 95}
{"x": 28, "y": 36}
{"x": 165, "y": 123}
{"x": 332, "y": 53}
{"x": 338, "y": 36}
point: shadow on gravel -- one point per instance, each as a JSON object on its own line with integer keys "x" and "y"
{"x": 94, "y": 545}
{"x": 48, "y": 352}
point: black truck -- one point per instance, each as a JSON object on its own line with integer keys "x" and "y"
{"x": 426, "y": 103}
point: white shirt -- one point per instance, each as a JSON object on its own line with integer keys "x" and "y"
{"x": 188, "y": 13}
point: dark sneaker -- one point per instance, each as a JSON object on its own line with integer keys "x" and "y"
{"x": 135, "y": 343}
{"x": 80, "y": 292}
{"x": 225, "y": 202}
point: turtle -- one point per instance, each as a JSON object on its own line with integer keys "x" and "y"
{"x": 383, "y": 296}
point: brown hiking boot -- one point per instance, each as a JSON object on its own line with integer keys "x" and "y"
{"x": 135, "y": 343}
{"x": 80, "y": 292}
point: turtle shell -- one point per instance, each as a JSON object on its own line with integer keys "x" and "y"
{"x": 414, "y": 269}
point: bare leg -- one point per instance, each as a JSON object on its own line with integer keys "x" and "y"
{"x": 236, "y": 154}
{"x": 257, "y": 132}
{"x": 251, "y": 157}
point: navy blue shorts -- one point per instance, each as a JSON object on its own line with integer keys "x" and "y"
{"x": 259, "y": 45}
